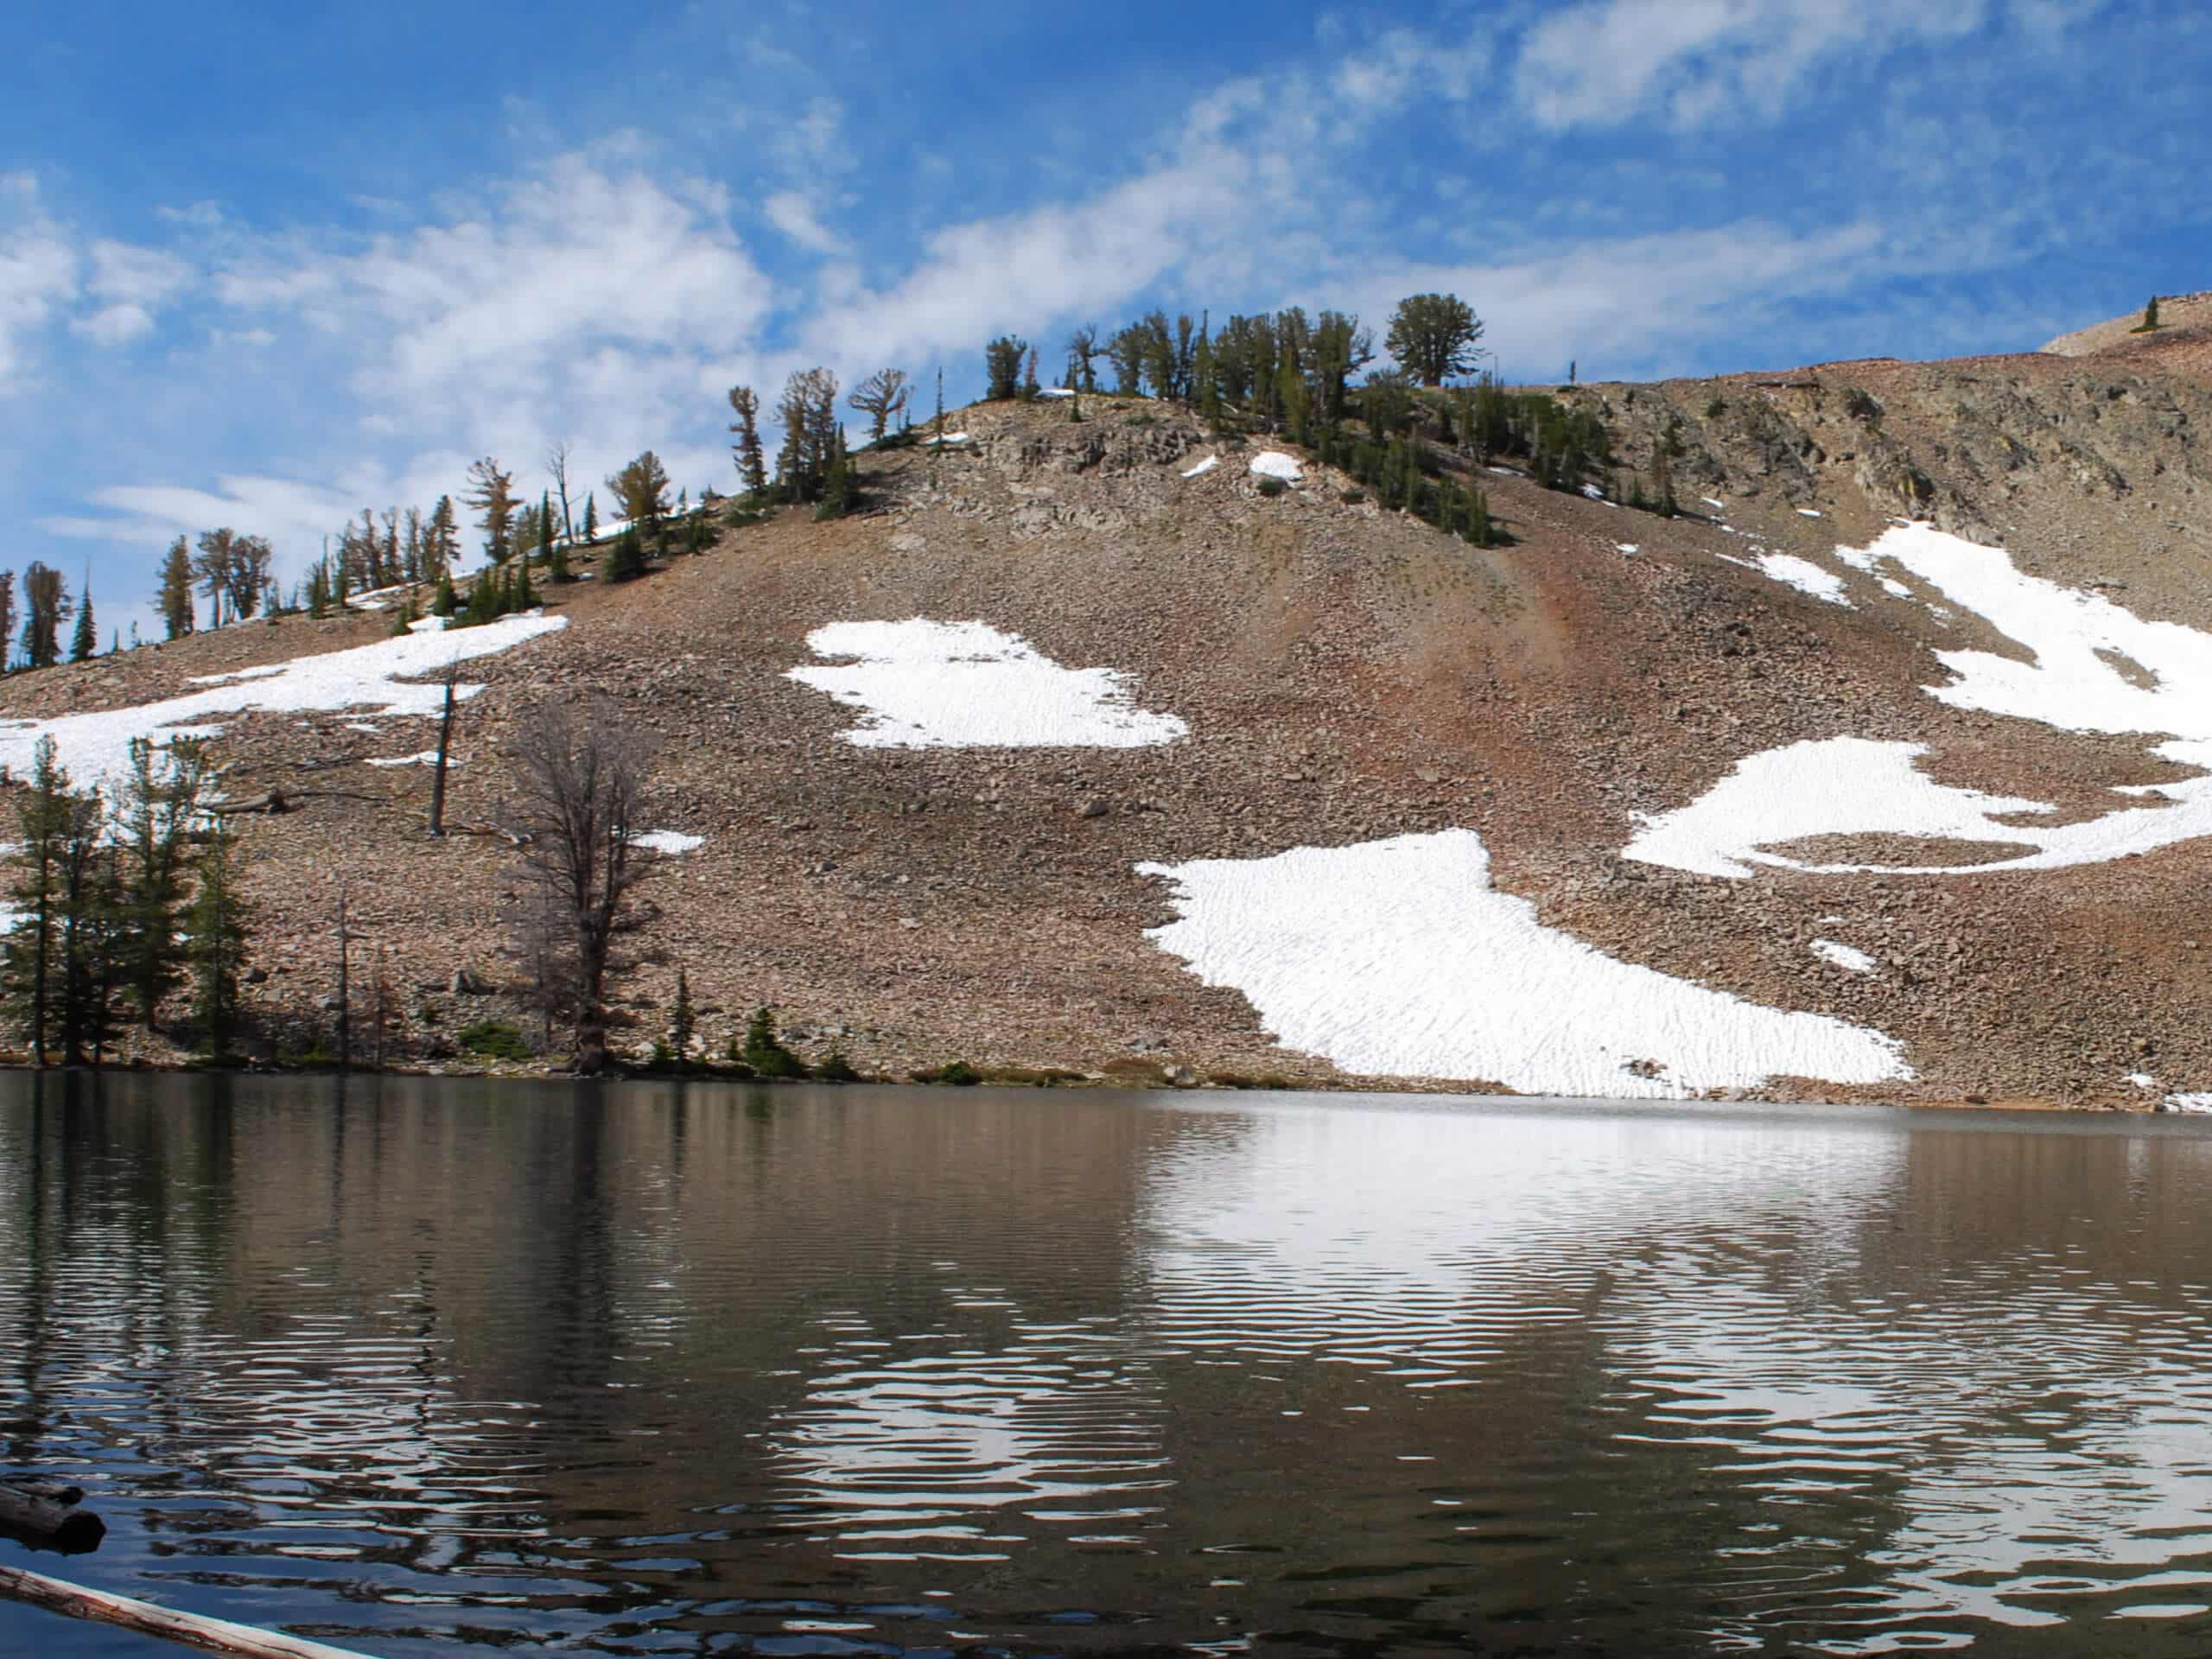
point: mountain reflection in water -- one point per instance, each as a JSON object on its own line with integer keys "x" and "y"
{"x": 425, "y": 1365}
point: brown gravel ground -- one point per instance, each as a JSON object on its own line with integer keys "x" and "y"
{"x": 1347, "y": 674}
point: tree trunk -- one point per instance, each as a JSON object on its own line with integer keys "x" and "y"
{"x": 438, "y": 777}
{"x": 209, "y": 1634}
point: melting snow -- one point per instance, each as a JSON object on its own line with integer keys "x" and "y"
{"x": 1273, "y": 463}
{"x": 2189, "y": 1103}
{"x": 670, "y": 841}
{"x": 1055, "y": 391}
{"x": 1843, "y": 956}
{"x": 1717, "y": 506}
{"x": 2141, "y": 1079}
{"x": 1630, "y": 547}
{"x": 950, "y": 437}
{"x": 930, "y": 684}
{"x": 427, "y": 758}
{"x": 1204, "y": 467}
{"x": 96, "y": 746}
{"x": 1801, "y": 573}
{"x": 2078, "y": 645}
{"x": 1807, "y": 513}
{"x": 1397, "y": 957}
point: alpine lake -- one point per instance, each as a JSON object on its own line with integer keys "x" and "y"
{"x": 426, "y": 1367}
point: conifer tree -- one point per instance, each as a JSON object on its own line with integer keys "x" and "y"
{"x": 34, "y": 943}
{"x": 1029, "y": 387}
{"x": 88, "y": 932}
{"x": 176, "y": 589}
{"x": 85, "y": 643}
{"x": 1432, "y": 336}
{"x": 8, "y": 614}
{"x": 1002, "y": 367}
{"x": 879, "y": 397}
{"x": 683, "y": 1022}
{"x": 46, "y": 608}
{"x": 591, "y": 515}
{"x": 154, "y": 811}
{"x": 752, "y": 465}
{"x": 627, "y": 559}
{"x": 215, "y": 938}
{"x": 492, "y": 492}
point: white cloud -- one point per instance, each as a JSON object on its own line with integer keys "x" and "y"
{"x": 38, "y": 272}
{"x": 115, "y": 325}
{"x": 794, "y": 215}
{"x": 1604, "y": 61}
{"x": 1631, "y": 304}
{"x": 814, "y": 143}
{"x": 127, "y": 274}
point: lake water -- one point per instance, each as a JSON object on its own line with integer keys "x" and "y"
{"x": 425, "y": 1367}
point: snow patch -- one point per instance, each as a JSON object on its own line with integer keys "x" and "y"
{"x": 2092, "y": 667}
{"x": 1843, "y": 956}
{"x": 928, "y": 684}
{"x": 1807, "y": 513}
{"x": 1629, "y": 548}
{"x": 1055, "y": 391}
{"x": 1801, "y": 573}
{"x": 2189, "y": 1102}
{"x": 950, "y": 437}
{"x": 1717, "y": 506}
{"x": 1397, "y": 957}
{"x": 96, "y": 746}
{"x": 1273, "y": 463}
{"x": 671, "y": 842}
{"x": 427, "y": 758}
{"x": 1204, "y": 467}
{"x": 2141, "y": 1079}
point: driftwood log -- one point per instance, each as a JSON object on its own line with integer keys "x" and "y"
{"x": 208, "y": 1634}
{"x": 45, "y": 1511}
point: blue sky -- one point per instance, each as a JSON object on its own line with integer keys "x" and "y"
{"x": 265, "y": 270}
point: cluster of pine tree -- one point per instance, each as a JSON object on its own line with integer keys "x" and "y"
{"x": 121, "y": 899}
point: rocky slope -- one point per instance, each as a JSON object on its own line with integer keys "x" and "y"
{"x": 1346, "y": 675}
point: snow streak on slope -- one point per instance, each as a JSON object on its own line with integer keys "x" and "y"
{"x": 930, "y": 684}
{"x": 2092, "y": 667}
{"x": 93, "y": 746}
{"x": 1398, "y": 959}
{"x": 1801, "y": 573}
{"x": 1273, "y": 463}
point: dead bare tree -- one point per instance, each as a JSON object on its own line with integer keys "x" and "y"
{"x": 447, "y": 676}
{"x": 879, "y": 397}
{"x": 580, "y": 781}
{"x": 557, "y": 463}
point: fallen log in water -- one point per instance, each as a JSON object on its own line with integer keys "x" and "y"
{"x": 209, "y": 1634}
{"x": 44, "y": 1509}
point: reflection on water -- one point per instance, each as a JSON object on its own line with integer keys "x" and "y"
{"x": 712, "y": 1371}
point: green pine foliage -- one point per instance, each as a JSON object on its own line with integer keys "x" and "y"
{"x": 1002, "y": 360}
{"x": 626, "y": 561}
{"x": 683, "y": 1020}
{"x": 764, "y": 1050}
{"x": 215, "y": 940}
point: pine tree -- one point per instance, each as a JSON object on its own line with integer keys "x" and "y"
{"x": 684, "y": 1023}
{"x": 2150, "y": 317}
{"x": 155, "y": 810}
{"x": 752, "y": 469}
{"x": 33, "y": 949}
{"x": 88, "y": 975}
{"x": 85, "y": 643}
{"x": 1029, "y": 387}
{"x": 8, "y": 614}
{"x": 442, "y": 600}
{"x": 1002, "y": 366}
{"x": 46, "y": 608}
{"x": 176, "y": 589}
{"x": 591, "y": 515}
{"x": 491, "y": 494}
{"x": 764, "y": 1050}
{"x": 215, "y": 938}
{"x": 628, "y": 558}
{"x": 1433, "y": 336}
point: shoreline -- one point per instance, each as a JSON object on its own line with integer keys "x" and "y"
{"x": 1068, "y": 1080}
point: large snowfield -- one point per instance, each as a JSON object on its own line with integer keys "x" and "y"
{"x": 96, "y": 746}
{"x": 2090, "y": 667}
{"x": 1398, "y": 957}
{"x": 927, "y": 685}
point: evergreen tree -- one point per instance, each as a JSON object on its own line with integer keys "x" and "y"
{"x": 591, "y": 517}
{"x": 46, "y": 608}
{"x": 442, "y": 600}
{"x": 641, "y": 491}
{"x": 628, "y": 558}
{"x": 764, "y": 1050}
{"x": 34, "y": 943}
{"x": 1002, "y": 367}
{"x": 1432, "y": 336}
{"x": 176, "y": 589}
{"x": 8, "y": 614}
{"x": 684, "y": 1023}
{"x": 85, "y": 643}
{"x": 1029, "y": 387}
{"x": 492, "y": 492}
{"x": 154, "y": 811}
{"x": 751, "y": 467}
{"x": 879, "y": 397}
{"x": 2150, "y": 316}
{"x": 215, "y": 938}
{"x": 87, "y": 935}
{"x": 557, "y": 562}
